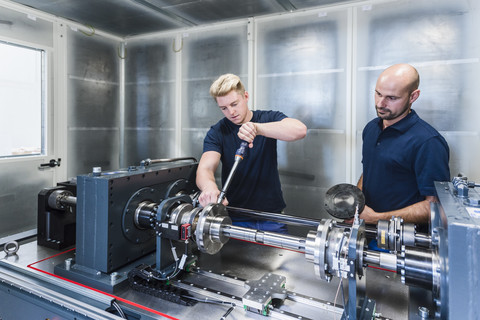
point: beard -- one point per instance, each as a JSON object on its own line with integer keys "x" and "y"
{"x": 387, "y": 114}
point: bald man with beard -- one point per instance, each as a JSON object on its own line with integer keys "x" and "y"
{"x": 402, "y": 155}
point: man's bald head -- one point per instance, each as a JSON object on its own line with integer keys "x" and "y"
{"x": 402, "y": 75}
{"x": 395, "y": 91}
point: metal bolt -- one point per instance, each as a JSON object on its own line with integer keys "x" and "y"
{"x": 423, "y": 312}
{"x": 113, "y": 276}
{"x": 68, "y": 263}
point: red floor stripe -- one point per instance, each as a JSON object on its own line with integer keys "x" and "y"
{"x": 96, "y": 290}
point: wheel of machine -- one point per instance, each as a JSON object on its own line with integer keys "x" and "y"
{"x": 208, "y": 233}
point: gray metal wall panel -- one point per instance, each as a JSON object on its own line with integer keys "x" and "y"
{"x": 199, "y": 108}
{"x": 93, "y": 58}
{"x": 313, "y": 99}
{"x": 88, "y": 148}
{"x": 441, "y": 42}
{"x": 316, "y": 160}
{"x": 194, "y": 140}
{"x": 149, "y": 100}
{"x": 150, "y": 60}
{"x": 93, "y": 103}
{"x": 149, "y": 143}
{"x": 206, "y": 56}
{"x": 302, "y": 72}
{"x": 201, "y": 12}
{"x": 19, "y": 187}
{"x": 150, "y": 105}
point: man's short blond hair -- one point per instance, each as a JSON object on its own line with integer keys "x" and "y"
{"x": 226, "y": 83}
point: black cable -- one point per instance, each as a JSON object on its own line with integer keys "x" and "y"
{"x": 227, "y": 313}
{"x": 117, "y": 307}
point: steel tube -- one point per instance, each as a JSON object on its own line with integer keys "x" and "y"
{"x": 69, "y": 201}
{"x": 269, "y": 238}
{"x": 419, "y": 268}
{"x": 277, "y": 217}
{"x": 423, "y": 240}
{"x": 371, "y": 257}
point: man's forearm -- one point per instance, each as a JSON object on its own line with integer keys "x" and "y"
{"x": 286, "y": 130}
{"x": 417, "y": 213}
{"x": 205, "y": 180}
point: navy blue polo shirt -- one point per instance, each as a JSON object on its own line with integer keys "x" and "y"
{"x": 401, "y": 163}
{"x": 256, "y": 183}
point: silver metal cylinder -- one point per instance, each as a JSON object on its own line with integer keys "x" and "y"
{"x": 423, "y": 240}
{"x": 240, "y": 233}
{"x": 419, "y": 267}
{"x": 388, "y": 261}
{"x": 144, "y": 214}
{"x": 60, "y": 199}
{"x": 371, "y": 257}
{"x": 269, "y": 238}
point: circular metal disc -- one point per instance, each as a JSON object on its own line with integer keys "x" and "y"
{"x": 342, "y": 199}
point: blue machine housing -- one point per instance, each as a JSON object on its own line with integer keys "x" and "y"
{"x": 107, "y": 237}
{"x": 455, "y": 231}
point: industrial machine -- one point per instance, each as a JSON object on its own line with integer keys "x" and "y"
{"x": 140, "y": 233}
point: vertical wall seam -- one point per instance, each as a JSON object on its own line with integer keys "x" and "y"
{"x": 355, "y": 174}
{"x": 178, "y": 98}
{"x": 121, "y": 102}
{"x": 251, "y": 61}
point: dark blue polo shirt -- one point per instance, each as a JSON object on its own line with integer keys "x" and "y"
{"x": 401, "y": 163}
{"x": 256, "y": 184}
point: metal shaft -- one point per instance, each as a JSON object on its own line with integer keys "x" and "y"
{"x": 263, "y": 237}
{"x": 277, "y": 217}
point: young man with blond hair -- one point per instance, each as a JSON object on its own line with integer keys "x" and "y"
{"x": 256, "y": 184}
